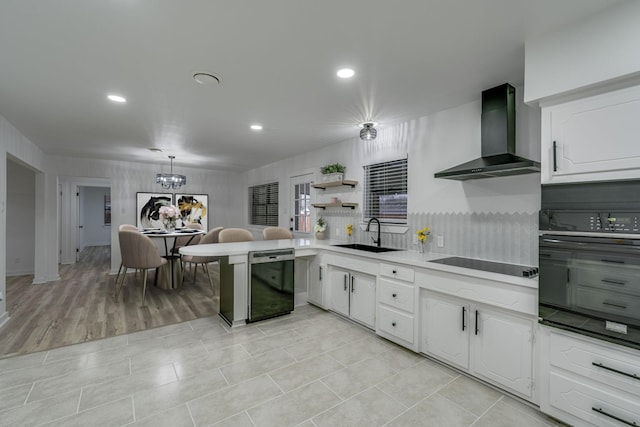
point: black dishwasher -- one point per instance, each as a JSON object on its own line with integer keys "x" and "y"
{"x": 271, "y": 283}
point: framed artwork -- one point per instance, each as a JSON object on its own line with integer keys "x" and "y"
{"x": 193, "y": 208}
{"x": 148, "y": 206}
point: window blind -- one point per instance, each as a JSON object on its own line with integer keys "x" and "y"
{"x": 385, "y": 191}
{"x": 263, "y": 204}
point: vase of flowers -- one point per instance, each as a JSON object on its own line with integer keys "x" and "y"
{"x": 349, "y": 230}
{"x": 423, "y": 233}
{"x": 319, "y": 228}
{"x": 169, "y": 215}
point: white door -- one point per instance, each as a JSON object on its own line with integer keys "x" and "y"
{"x": 593, "y": 138}
{"x": 445, "y": 326}
{"x": 503, "y": 348}
{"x": 339, "y": 286}
{"x": 300, "y": 218}
{"x": 363, "y": 298}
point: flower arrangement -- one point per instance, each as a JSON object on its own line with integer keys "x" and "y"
{"x": 169, "y": 215}
{"x": 423, "y": 233}
{"x": 349, "y": 229}
{"x": 320, "y": 226}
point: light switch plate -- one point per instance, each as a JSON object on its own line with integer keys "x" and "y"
{"x": 440, "y": 241}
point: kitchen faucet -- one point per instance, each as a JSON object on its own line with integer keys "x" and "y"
{"x": 377, "y": 242}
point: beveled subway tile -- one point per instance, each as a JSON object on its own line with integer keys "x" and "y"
{"x": 358, "y": 377}
{"x": 211, "y": 360}
{"x": 20, "y": 362}
{"x": 368, "y": 409}
{"x": 353, "y": 352}
{"x": 255, "y": 366}
{"x": 86, "y": 348}
{"x": 159, "y": 398}
{"x": 239, "y": 420}
{"x": 470, "y": 394}
{"x": 300, "y": 373}
{"x": 14, "y": 396}
{"x": 294, "y": 407}
{"x": 78, "y": 379}
{"x": 414, "y": 384}
{"x": 271, "y": 342}
{"x": 177, "y": 416}
{"x": 113, "y": 414}
{"x": 233, "y": 400}
{"x": 58, "y": 406}
{"x": 239, "y": 335}
{"x": 439, "y": 412}
{"x": 314, "y": 346}
{"x": 126, "y": 386}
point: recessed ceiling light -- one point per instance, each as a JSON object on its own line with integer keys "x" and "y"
{"x": 256, "y": 127}
{"x": 345, "y": 73}
{"x": 155, "y": 150}
{"x": 117, "y": 98}
{"x": 206, "y": 78}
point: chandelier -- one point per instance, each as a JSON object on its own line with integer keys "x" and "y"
{"x": 171, "y": 180}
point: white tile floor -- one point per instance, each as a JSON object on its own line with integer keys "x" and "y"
{"x": 311, "y": 368}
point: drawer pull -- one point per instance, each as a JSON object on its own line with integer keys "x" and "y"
{"x": 600, "y": 411}
{"x": 600, "y": 365}
{"x": 393, "y": 324}
{"x": 613, "y": 261}
{"x": 477, "y": 328}
{"x": 613, "y": 304}
{"x": 394, "y": 295}
{"x": 614, "y": 282}
{"x": 394, "y": 271}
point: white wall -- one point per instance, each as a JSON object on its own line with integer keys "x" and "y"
{"x": 96, "y": 232}
{"x": 601, "y": 48}
{"x": 21, "y": 217}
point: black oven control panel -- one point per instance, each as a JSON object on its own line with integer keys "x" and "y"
{"x": 622, "y": 223}
{"x": 590, "y": 221}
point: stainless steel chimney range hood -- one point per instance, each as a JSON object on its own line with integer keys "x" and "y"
{"x": 498, "y": 141}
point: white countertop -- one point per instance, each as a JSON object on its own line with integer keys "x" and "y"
{"x": 309, "y": 247}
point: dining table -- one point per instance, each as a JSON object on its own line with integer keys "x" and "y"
{"x": 171, "y": 277}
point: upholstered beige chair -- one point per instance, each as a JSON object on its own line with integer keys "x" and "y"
{"x": 276, "y": 233}
{"x": 122, "y": 227}
{"x": 210, "y": 237}
{"x": 229, "y": 235}
{"x": 187, "y": 239}
{"x": 139, "y": 252}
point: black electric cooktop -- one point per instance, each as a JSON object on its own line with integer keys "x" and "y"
{"x": 493, "y": 267}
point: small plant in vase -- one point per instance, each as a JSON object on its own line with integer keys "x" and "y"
{"x": 319, "y": 228}
{"x": 423, "y": 233}
{"x": 332, "y": 172}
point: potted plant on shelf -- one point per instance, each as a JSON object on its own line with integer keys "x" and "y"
{"x": 333, "y": 172}
{"x": 319, "y": 228}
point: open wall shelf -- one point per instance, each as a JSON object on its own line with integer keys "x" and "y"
{"x": 325, "y": 185}
{"x": 335, "y": 205}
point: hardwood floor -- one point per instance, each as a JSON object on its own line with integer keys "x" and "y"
{"x": 81, "y": 305}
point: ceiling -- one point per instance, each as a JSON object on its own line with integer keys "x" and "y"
{"x": 276, "y": 59}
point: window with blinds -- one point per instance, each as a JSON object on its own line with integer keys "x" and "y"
{"x": 263, "y": 204}
{"x": 385, "y": 191}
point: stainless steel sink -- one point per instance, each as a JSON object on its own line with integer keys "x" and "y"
{"x": 368, "y": 248}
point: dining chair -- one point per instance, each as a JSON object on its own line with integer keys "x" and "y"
{"x": 211, "y": 237}
{"x": 187, "y": 240}
{"x": 122, "y": 227}
{"x": 230, "y": 235}
{"x": 276, "y": 233}
{"x": 139, "y": 252}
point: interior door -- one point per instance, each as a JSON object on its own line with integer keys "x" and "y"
{"x": 300, "y": 211}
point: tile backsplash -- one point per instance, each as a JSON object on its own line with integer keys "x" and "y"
{"x": 501, "y": 237}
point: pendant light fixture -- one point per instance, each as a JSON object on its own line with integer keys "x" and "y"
{"x": 368, "y": 131}
{"x": 171, "y": 180}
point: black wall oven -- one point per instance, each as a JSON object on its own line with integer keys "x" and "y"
{"x": 589, "y": 249}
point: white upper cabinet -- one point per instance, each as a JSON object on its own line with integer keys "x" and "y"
{"x": 592, "y": 139}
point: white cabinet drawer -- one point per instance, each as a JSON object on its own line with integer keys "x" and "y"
{"x": 579, "y": 356}
{"x": 397, "y": 272}
{"x": 395, "y": 323}
{"x": 396, "y": 295}
{"x": 591, "y": 402}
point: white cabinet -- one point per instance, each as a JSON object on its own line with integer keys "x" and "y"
{"x": 592, "y": 139}
{"x": 588, "y": 382}
{"x": 489, "y": 343}
{"x": 396, "y": 305}
{"x": 316, "y": 272}
{"x": 353, "y": 294}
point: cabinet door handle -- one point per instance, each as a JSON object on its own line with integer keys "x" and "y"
{"x": 394, "y": 295}
{"x": 345, "y": 282}
{"x": 477, "y": 329}
{"x": 600, "y": 411}
{"x": 352, "y": 280}
{"x": 394, "y": 271}
{"x": 393, "y": 324}
{"x": 555, "y": 159}
{"x": 463, "y": 312}
{"x": 600, "y": 365}
{"x": 320, "y": 273}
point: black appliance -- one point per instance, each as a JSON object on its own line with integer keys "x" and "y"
{"x": 498, "y": 139}
{"x": 589, "y": 247}
{"x": 271, "y": 284}
{"x": 490, "y": 266}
